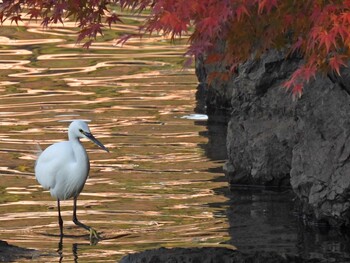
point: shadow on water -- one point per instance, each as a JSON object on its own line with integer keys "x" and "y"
{"x": 262, "y": 219}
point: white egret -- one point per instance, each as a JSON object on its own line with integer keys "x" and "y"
{"x": 64, "y": 167}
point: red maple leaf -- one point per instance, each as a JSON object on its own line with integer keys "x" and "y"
{"x": 297, "y": 90}
{"x": 124, "y": 38}
{"x": 241, "y": 11}
{"x": 345, "y": 17}
{"x": 45, "y": 22}
{"x": 297, "y": 45}
{"x": 208, "y": 26}
{"x": 16, "y": 19}
{"x": 301, "y": 76}
{"x": 266, "y": 5}
{"x": 112, "y": 19}
{"x": 308, "y": 72}
{"x": 336, "y": 62}
{"x": 327, "y": 39}
{"x": 87, "y": 44}
{"x": 34, "y": 13}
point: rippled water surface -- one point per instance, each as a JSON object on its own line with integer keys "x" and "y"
{"x": 161, "y": 184}
{"x": 155, "y": 188}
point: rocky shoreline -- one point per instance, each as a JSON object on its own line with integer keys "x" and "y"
{"x": 9, "y": 253}
{"x": 210, "y": 255}
{"x": 273, "y": 140}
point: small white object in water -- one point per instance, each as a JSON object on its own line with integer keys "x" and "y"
{"x": 197, "y": 117}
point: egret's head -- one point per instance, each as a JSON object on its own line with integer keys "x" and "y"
{"x": 80, "y": 129}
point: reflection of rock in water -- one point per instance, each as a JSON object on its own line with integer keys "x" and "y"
{"x": 327, "y": 244}
{"x": 201, "y": 94}
{"x": 215, "y": 148}
{"x": 216, "y": 124}
{"x": 12, "y": 253}
{"x": 207, "y": 255}
{"x": 265, "y": 220}
{"x": 262, "y": 220}
{"x": 203, "y": 255}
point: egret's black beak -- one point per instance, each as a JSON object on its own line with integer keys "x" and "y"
{"x": 94, "y": 140}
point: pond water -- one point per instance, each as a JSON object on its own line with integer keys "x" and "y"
{"x": 155, "y": 188}
{"x": 162, "y": 183}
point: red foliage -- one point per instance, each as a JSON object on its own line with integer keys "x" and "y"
{"x": 336, "y": 62}
{"x": 319, "y": 30}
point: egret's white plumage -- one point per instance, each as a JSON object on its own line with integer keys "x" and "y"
{"x": 63, "y": 167}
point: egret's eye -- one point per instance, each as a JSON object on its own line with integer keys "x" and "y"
{"x": 81, "y": 131}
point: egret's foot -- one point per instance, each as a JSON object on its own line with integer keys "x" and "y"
{"x": 94, "y": 236}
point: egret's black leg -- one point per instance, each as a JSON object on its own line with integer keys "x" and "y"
{"x": 60, "y": 249}
{"x": 75, "y": 219}
{"x": 92, "y": 231}
{"x": 60, "y": 221}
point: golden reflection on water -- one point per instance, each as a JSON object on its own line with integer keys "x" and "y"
{"x": 154, "y": 188}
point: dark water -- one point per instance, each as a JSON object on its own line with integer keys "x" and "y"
{"x": 161, "y": 185}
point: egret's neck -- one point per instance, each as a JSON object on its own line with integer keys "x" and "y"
{"x": 72, "y": 136}
{"x": 78, "y": 149}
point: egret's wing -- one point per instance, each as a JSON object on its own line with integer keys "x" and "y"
{"x": 53, "y": 162}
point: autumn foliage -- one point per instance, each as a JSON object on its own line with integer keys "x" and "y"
{"x": 318, "y": 30}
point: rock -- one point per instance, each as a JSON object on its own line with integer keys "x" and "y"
{"x": 13, "y": 253}
{"x": 261, "y": 131}
{"x": 273, "y": 140}
{"x": 320, "y": 173}
{"x": 218, "y": 98}
{"x": 208, "y": 255}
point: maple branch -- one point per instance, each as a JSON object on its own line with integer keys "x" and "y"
{"x": 318, "y": 30}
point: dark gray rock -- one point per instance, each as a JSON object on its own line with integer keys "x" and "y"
{"x": 9, "y": 253}
{"x": 273, "y": 140}
{"x": 320, "y": 173}
{"x": 218, "y": 98}
{"x": 208, "y": 255}
{"x": 261, "y": 132}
